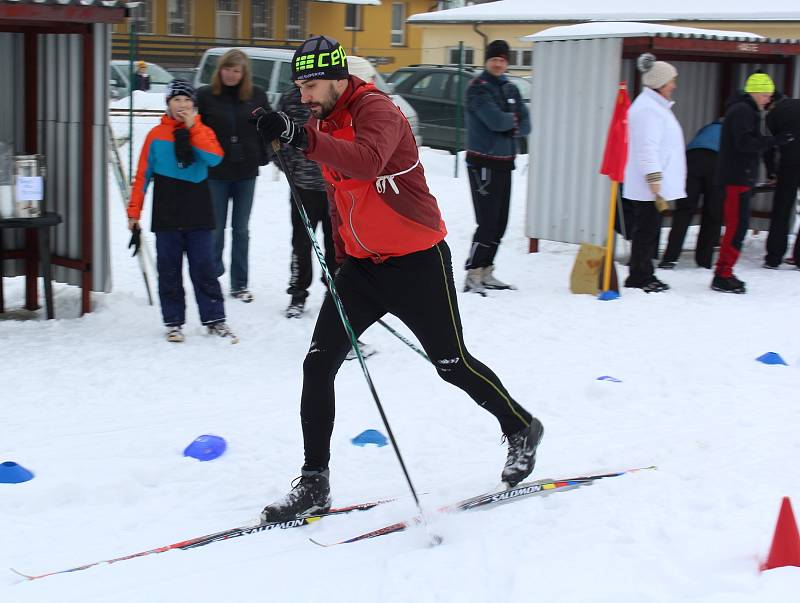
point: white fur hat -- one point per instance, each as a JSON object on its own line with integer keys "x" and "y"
{"x": 361, "y": 68}
{"x": 655, "y": 73}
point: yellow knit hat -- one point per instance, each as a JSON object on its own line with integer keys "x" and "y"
{"x": 759, "y": 82}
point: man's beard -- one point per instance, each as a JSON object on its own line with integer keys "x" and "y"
{"x": 323, "y": 109}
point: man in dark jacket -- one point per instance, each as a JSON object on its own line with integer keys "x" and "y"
{"x": 496, "y": 115}
{"x": 701, "y": 165}
{"x": 784, "y": 118}
{"x": 389, "y": 233}
{"x": 311, "y": 188}
{"x": 741, "y": 146}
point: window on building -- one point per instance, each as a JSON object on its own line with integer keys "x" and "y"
{"x": 142, "y": 17}
{"x": 228, "y": 19}
{"x": 295, "y": 20}
{"x": 468, "y": 59}
{"x": 262, "y": 19}
{"x": 519, "y": 57}
{"x": 179, "y": 17}
{"x": 352, "y": 16}
{"x": 398, "y": 24}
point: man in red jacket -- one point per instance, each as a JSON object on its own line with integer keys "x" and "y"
{"x": 389, "y": 238}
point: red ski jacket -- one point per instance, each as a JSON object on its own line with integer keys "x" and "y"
{"x": 382, "y": 206}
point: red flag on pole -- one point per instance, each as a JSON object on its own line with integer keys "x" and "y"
{"x": 616, "y": 153}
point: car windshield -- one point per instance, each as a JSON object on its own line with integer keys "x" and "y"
{"x": 158, "y": 75}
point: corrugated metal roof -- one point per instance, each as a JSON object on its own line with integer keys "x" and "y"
{"x": 628, "y": 29}
{"x": 543, "y": 11}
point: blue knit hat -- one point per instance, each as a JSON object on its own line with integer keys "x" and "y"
{"x": 180, "y": 88}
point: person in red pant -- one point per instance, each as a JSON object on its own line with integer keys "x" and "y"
{"x": 741, "y": 147}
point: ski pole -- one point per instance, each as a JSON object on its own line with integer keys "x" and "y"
{"x": 404, "y": 340}
{"x": 276, "y": 146}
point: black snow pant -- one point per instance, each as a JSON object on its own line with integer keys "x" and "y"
{"x": 646, "y": 230}
{"x": 782, "y": 205}
{"x": 491, "y": 197}
{"x": 418, "y": 288}
{"x": 301, "y": 269}
{"x": 700, "y": 164}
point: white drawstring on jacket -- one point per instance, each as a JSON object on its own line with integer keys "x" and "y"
{"x": 380, "y": 181}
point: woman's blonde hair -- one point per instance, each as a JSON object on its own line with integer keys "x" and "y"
{"x": 234, "y": 57}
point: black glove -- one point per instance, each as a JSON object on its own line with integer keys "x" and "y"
{"x": 784, "y": 138}
{"x": 276, "y": 125}
{"x": 183, "y": 148}
{"x": 136, "y": 240}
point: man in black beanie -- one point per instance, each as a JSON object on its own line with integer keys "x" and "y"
{"x": 496, "y": 115}
{"x": 389, "y": 238}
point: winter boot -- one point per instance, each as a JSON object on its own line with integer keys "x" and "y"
{"x": 490, "y": 282}
{"x": 522, "y": 453}
{"x": 310, "y": 494}
{"x": 296, "y": 307}
{"x": 175, "y": 334}
{"x": 242, "y": 295}
{"x": 728, "y": 284}
{"x": 474, "y": 282}
{"x": 366, "y": 351}
{"x": 222, "y": 329}
{"x": 653, "y": 285}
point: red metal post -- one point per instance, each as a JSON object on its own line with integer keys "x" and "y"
{"x": 87, "y": 161}
{"x": 31, "y": 107}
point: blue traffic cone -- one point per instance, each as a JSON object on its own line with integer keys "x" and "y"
{"x": 206, "y": 447}
{"x": 11, "y": 473}
{"x": 771, "y": 358}
{"x": 370, "y": 436}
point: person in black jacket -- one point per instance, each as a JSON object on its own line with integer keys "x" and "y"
{"x": 310, "y": 185}
{"x": 141, "y": 79}
{"x": 225, "y": 106}
{"x": 741, "y": 146}
{"x": 784, "y": 118}
{"x": 496, "y": 115}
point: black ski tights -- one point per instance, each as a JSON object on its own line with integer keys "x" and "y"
{"x": 417, "y": 288}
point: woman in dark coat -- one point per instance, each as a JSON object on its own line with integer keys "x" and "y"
{"x": 225, "y": 106}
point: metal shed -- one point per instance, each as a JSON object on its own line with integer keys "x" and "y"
{"x": 54, "y": 57}
{"x": 576, "y": 72}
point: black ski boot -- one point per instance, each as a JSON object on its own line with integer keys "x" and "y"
{"x": 728, "y": 284}
{"x": 296, "y": 307}
{"x": 310, "y": 494}
{"x": 522, "y": 453}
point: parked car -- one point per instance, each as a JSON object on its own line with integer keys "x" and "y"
{"x": 119, "y": 84}
{"x": 433, "y": 90}
{"x": 272, "y": 70}
{"x": 183, "y": 73}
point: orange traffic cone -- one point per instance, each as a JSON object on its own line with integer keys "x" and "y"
{"x": 785, "y": 549}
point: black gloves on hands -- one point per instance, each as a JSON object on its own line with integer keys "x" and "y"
{"x": 784, "y": 138}
{"x": 276, "y": 125}
{"x": 183, "y": 149}
{"x": 136, "y": 240}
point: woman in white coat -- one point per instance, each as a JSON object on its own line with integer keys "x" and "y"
{"x": 656, "y": 166}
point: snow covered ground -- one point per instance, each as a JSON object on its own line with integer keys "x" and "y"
{"x": 101, "y": 407}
